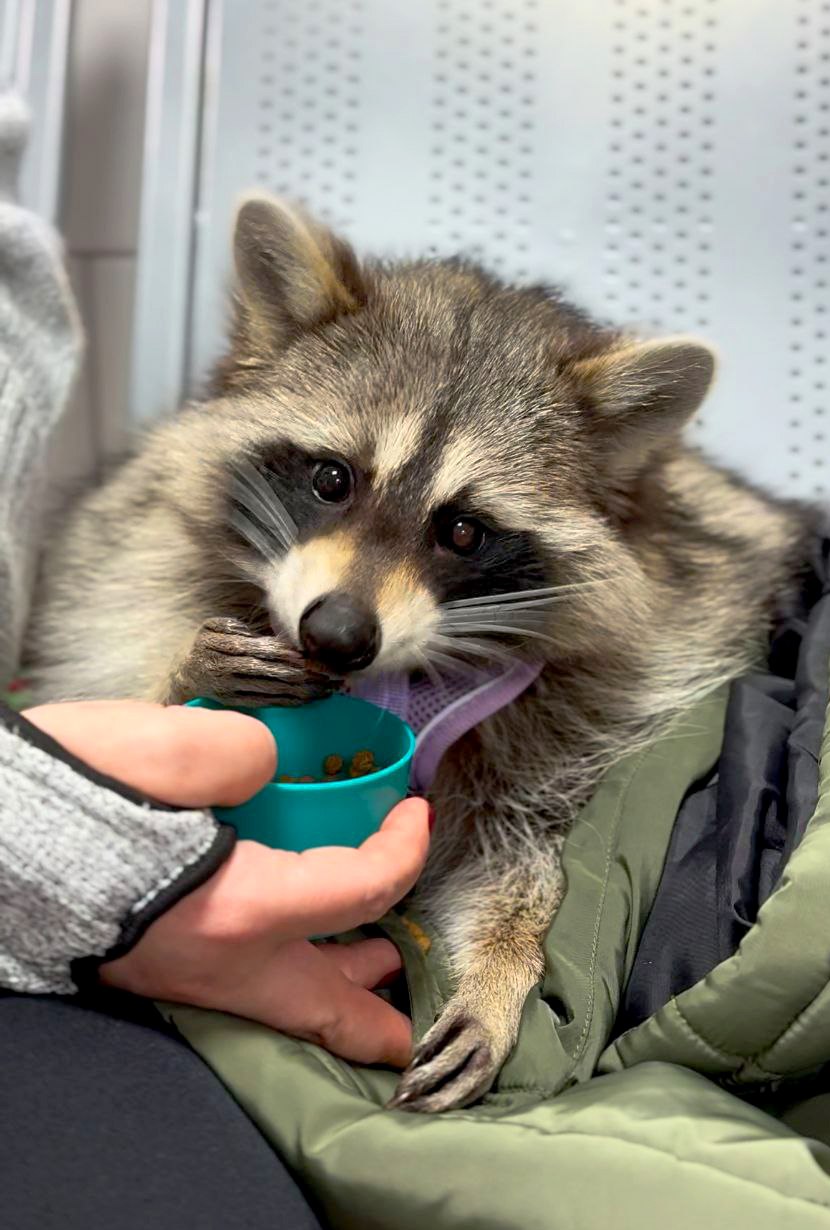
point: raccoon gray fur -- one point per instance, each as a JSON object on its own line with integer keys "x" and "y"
{"x": 381, "y": 441}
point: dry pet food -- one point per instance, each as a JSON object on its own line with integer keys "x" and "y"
{"x": 363, "y": 762}
{"x": 335, "y": 770}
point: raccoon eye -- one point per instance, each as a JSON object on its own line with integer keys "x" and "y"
{"x": 461, "y": 535}
{"x": 332, "y": 481}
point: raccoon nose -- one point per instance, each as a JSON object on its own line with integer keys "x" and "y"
{"x": 340, "y": 633}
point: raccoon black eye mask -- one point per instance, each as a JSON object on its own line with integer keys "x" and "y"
{"x": 296, "y": 498}
{"x": 457, "y": 692}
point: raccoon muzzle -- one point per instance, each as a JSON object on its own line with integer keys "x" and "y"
{"x": 340, "y": 632}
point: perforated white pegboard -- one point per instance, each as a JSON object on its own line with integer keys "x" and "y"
{"x": 307, "y": 121}
{"x": 665, "y": 160}
{"x": 482, "y": 119}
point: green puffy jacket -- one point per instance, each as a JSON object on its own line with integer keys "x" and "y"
{"x": 711, "y": 1112}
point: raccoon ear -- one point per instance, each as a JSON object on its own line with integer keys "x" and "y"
{"x": 643, "y": 392}
{"x": 293, "y": 272}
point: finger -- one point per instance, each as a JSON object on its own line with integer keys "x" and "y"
{"x": 303, "y": 993}
{"x": 334, "y": 889}
{"x": 186, "y": 757}
{"x": 368, "y": 963}
{"x": 365, "y": 1028}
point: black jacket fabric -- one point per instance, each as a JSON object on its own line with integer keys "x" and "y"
{"x": 736, "y": 830}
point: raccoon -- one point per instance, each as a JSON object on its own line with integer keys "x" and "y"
{"x": 416, "y": 467}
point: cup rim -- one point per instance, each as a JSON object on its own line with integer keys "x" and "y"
{"x": 350, "y": 783}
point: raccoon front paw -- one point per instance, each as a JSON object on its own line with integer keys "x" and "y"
{"x": 454, "y": 1066}
{"x": 236, "y": 666}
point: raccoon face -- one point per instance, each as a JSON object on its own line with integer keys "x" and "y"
{"x": 434, "y": 468}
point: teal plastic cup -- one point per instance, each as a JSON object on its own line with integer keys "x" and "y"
{"x": 299, "y": 816}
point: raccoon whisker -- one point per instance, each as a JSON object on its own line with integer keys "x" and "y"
{"x": 453, "y": 645}
{"x": 440, "y": 650}
{"x": 438, "y": 647}
{"x": 238, "y": 573}
{"x": 254, "y": 512}
{"x": 252, "y": 533}
{"x": 256, "y": 497}
{"x": 430, "y": 670}
{"x": 253, "y": 499}
{"x": 225, "y": 583}
{"x": 539, "y": 604}
{"x": 251, "y": 478}
{"x": 450, "y": 664}
{"x": 506, "y": 629}
{"x": 490, "y": 651}
{"x": 243, "y": 515}
{"x": 234, "y": 574}
{"x": 530, "y": 597}
{"x": 287, "y": 522}
{"x": 480, "y": 614}
{"x": 242, "y": 572}
{"x": 527, "y": 597}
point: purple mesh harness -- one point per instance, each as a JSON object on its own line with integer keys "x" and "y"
{"x": 440, "y": 714}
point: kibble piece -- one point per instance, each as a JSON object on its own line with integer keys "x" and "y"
{"x": 332, "y": 764}
{"x": 305, "y": 781}
{"x": 286, "y": 779}
{"x": 364, "y": 761}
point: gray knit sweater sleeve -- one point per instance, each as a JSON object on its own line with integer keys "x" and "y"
{"x": 40, "y": 343}
{"x": 86, "y": 864}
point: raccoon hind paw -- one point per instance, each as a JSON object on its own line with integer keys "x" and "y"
{"x": 454, "y": 1066}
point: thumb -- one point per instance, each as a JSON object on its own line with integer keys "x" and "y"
{"x": 333, "y": 889}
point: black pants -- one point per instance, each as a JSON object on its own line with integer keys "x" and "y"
{"x": 107, "y": 1119}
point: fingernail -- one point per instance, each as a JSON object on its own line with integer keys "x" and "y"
{"x": 388, "y": 979}
{"x": 431, "y": 818}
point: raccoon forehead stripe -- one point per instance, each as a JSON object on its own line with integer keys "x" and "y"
{"x": 320, "y": 433}
{"x": 469, "y": 463}
{"x": 456, "y": 468}
{"x": 317, "y": 426}
{"x": 396, "y": 443}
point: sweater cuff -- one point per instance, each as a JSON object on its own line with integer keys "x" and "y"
{"x": 86, "y": 863}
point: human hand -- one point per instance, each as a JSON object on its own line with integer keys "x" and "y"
{"x": 237, "y": 943}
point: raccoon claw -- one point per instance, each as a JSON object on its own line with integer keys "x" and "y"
{"x": 239, "y": 666}
{"x": 454, "y": 1066}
